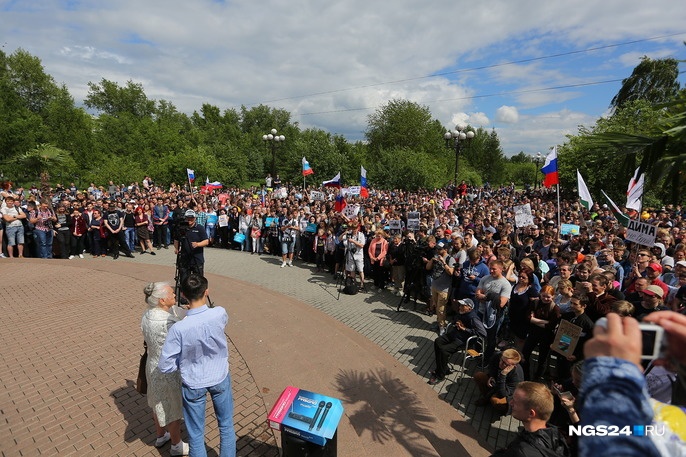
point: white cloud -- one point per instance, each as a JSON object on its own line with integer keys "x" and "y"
{"x": 540, "y": 132}
{"x": 90, "y": 53}
{"x": 478, "y": 120}
{"x": 507, "y": 114}
{"x": 245, "y": 52}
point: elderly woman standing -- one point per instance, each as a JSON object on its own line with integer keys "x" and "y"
{"x": 164, "y": 390}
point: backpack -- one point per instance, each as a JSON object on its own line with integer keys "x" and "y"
{"x": 350, "y": 288}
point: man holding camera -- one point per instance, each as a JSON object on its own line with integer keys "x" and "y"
{"x": 442, "y": 268}
{"x": 189, "y": 241}
{"x": 354, "y": 253}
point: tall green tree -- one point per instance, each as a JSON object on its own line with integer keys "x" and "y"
{"x": 260, "y": 120}
{"x": 30, "y": 81}
{"x": 109, "y": 98}
{"x": 661, "y": 151}
{"x": 404, "y": 127}
{"x": 602, "y": 164}
{"x": 653, "y": 80}
{"x": 486, "y": 156}
{"x": 26, "y": 92}
{"x": 404, "y": 124}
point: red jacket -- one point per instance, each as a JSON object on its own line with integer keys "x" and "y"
{"x": 77, "y": 225}
{"x": 373, "y": 247}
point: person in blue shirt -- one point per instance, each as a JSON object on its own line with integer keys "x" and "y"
{"x": 197, "y": 347}
{"x": 472, "y": 271}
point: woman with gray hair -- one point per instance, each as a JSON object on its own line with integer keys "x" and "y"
{"x": 164, "y": 390}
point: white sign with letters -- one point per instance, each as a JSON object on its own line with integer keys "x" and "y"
{"x": 354, "y": 190}
{"x": 317, "y": 196}
{"x": 641, "y": 233}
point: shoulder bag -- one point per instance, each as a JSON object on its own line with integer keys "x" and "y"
{"x": 142, "y": 380}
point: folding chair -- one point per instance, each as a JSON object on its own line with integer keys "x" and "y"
{"x": 473, "y": 349}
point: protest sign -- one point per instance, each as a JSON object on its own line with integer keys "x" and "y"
{"x": 641, "y": 233}
{"x": 523, "y": 216}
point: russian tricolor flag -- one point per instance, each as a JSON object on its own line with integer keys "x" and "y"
{"x": 335, "y": 182}
{"x": 550, "y": 169}
{"x": 191, "y": 174}
{"x": 306, "y": 168}
{"x": 363, "y": 182}
{"x": 340, "y": 203}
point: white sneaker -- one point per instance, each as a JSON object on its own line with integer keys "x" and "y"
{"x": 290, "y": 263}
{"x": 159, "y": 442}
{"x": 71, "y": 257}
{"x": 283, "y": 264}
{"x": 2, "y": 256}
{"x": 80, "y": 256}
{"x": 180, "y": 449}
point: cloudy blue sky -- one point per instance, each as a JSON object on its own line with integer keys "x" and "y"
{"x": 534, "y": 70}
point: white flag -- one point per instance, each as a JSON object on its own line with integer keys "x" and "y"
{"x": 584, "y": 194}
{"x": 635, "y": 192}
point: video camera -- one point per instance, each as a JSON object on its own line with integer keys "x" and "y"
{"x": 181, "y": 229}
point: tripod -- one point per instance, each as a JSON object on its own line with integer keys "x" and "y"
{"x": 186, "y": 265}
{"x": 413, "y": 284}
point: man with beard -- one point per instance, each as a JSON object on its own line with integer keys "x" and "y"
{"x": 114, "y": 223}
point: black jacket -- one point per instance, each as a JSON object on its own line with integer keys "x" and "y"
{"x": 473, "y": 326}
{"x": 542, "y": 443}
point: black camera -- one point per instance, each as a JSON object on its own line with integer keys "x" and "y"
{"x": 181, "y": 229}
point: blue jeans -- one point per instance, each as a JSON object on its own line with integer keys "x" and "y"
{"x": 130, "y": 234}
{"x": 194, "y": 415}
{"x": 210, "y": 231}
{"x": 44, "y": 242}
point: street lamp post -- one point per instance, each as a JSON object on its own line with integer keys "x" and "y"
{"x": 537, "y": 159}
{"x": 274, "y": 141}
{"x": 456, "y": 140}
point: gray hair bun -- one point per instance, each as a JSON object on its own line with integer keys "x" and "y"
{"x": 149, "y": 289}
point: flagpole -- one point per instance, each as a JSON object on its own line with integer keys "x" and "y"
{"x": 190, "y": 185}
{"x": 558, "y": 205}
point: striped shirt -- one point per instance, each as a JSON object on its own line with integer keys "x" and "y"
{"x": 197, "y": 347}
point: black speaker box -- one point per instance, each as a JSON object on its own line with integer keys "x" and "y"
{"x": 294, "y": 446}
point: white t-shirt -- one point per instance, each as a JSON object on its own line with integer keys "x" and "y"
{"x": 10, "y": 211}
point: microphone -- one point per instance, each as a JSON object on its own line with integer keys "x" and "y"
{"x": 316, "y": 415}
{"x": 326, "y": 411}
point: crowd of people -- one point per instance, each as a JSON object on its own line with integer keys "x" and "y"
{"x": 456, "y": 250}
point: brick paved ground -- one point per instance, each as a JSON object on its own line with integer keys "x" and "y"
{"x": 389, "y": 409}
{"x": 405, "y": 335}
{"x": 70, "y": 350}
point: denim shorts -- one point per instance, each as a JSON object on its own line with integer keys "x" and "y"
{"x": 15, "y": 235}
{"x": 288, "y": 248}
